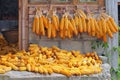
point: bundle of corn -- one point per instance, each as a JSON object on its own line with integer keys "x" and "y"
{"x": 38, "y": 24}
{"x": 46, "y": 60}
{"x": 43, "y": 25}
{"x": 69, "y": 25}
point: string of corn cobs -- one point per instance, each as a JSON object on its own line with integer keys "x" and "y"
{"x": 71, "y": 25}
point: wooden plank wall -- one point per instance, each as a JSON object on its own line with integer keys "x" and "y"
{"x": 23, "y": 24}
{"x": 82, "y": 42}
{"x": 26, "y": 12}
{"x": 20, "y": 24}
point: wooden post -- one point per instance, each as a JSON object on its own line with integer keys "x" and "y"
{"x": 24, "y": 31}
{"x": 112, "y": 9}
{"x": 20, "y": 24}
{"x": 23, "y": 24}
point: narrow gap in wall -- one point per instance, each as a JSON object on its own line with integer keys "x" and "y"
{"x": 119, "y": 14}
{"x": 119, "y": 20}
{"x": 119, "y": 26}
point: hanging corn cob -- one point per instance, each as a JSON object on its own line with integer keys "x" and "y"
{"x": 45, "y": 21}
{"x": 80, "y": 25}
{"x": 49, "y": 30}
{"x": 41, "y": 26}
{"x": 35, "y": 27}
{"x": 55, "y": 21}
{"x": 62, "y": 23}
{"x": 74, "y": 27}
{"x": 53, "y": 31}
{"x": 68, "y": 26}
{"x": 66, "y": 22}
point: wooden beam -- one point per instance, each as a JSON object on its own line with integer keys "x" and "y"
{"x": 20, "y": 25}
{"x": 112, "y": 10}
{"x": 24, "y": 24}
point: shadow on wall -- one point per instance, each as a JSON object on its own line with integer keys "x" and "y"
{"x": 8, "y": 9}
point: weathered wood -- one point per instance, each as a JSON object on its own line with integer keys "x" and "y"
{"x": 38, "y": 1}
{"x": 24, "y": 24}
{"x": 20, "y": 24}
{"x": 112, "y": 9}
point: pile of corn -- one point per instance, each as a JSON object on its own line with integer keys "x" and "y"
{"x": 70, "y": 25}
{"x": 46, "y": 60}
{"x": 6, "y": 47}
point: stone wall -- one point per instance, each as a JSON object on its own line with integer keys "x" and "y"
{"x": 82, "y": 42}
{"x": 16, "y": 75}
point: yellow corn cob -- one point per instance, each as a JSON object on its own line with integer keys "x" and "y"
{"x": 75, "y": 28}
{"x": 96, "y": 25}
{"x": 54, "y": 21}
{"x": 36, "y": 69}
{"x": 113, "y": 23}
{"x": 53, "y": 32}
{"x": 7, "y": 69}
{"x": 32, "y": 68}
{"x": 103, "y": 25}
{"x": 40, "y": 70}
{"x": 76, "y": 19}
{"x": 65, "y": 72}
{"x": 83, "y": 14}
{"x": 37, "y": 25}
{"x": 2, "y": 71}
{"x": 84, "y": 24}
{"x": 44, "y": 70}
{"x": 50, "y": 71}
{"x": 57, "y": 21}
{"x": 70, "y": 25}
{"x": 34, "y": 24}
{"x": 22, "y": 68}
{"x": 92, "y": 25}
{"x": 66, "y": 23}
{"x": 29, "y": 67}
{"x": 42, "y": 30}
{"x": 110, "y": 26}
{"x": 100, "y": 28}
{"x": 45, "y": 21}
{"x": 109, "y": 31}
{"x": 80, "y": 27}
{"x": 11, "y": 65}
{"x": 89, "y": 26}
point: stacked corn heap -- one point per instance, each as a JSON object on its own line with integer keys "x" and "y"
{"x": 46, "y": 60}
{"x": 6, "y": 47}
{"x": 71, "y": 25}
